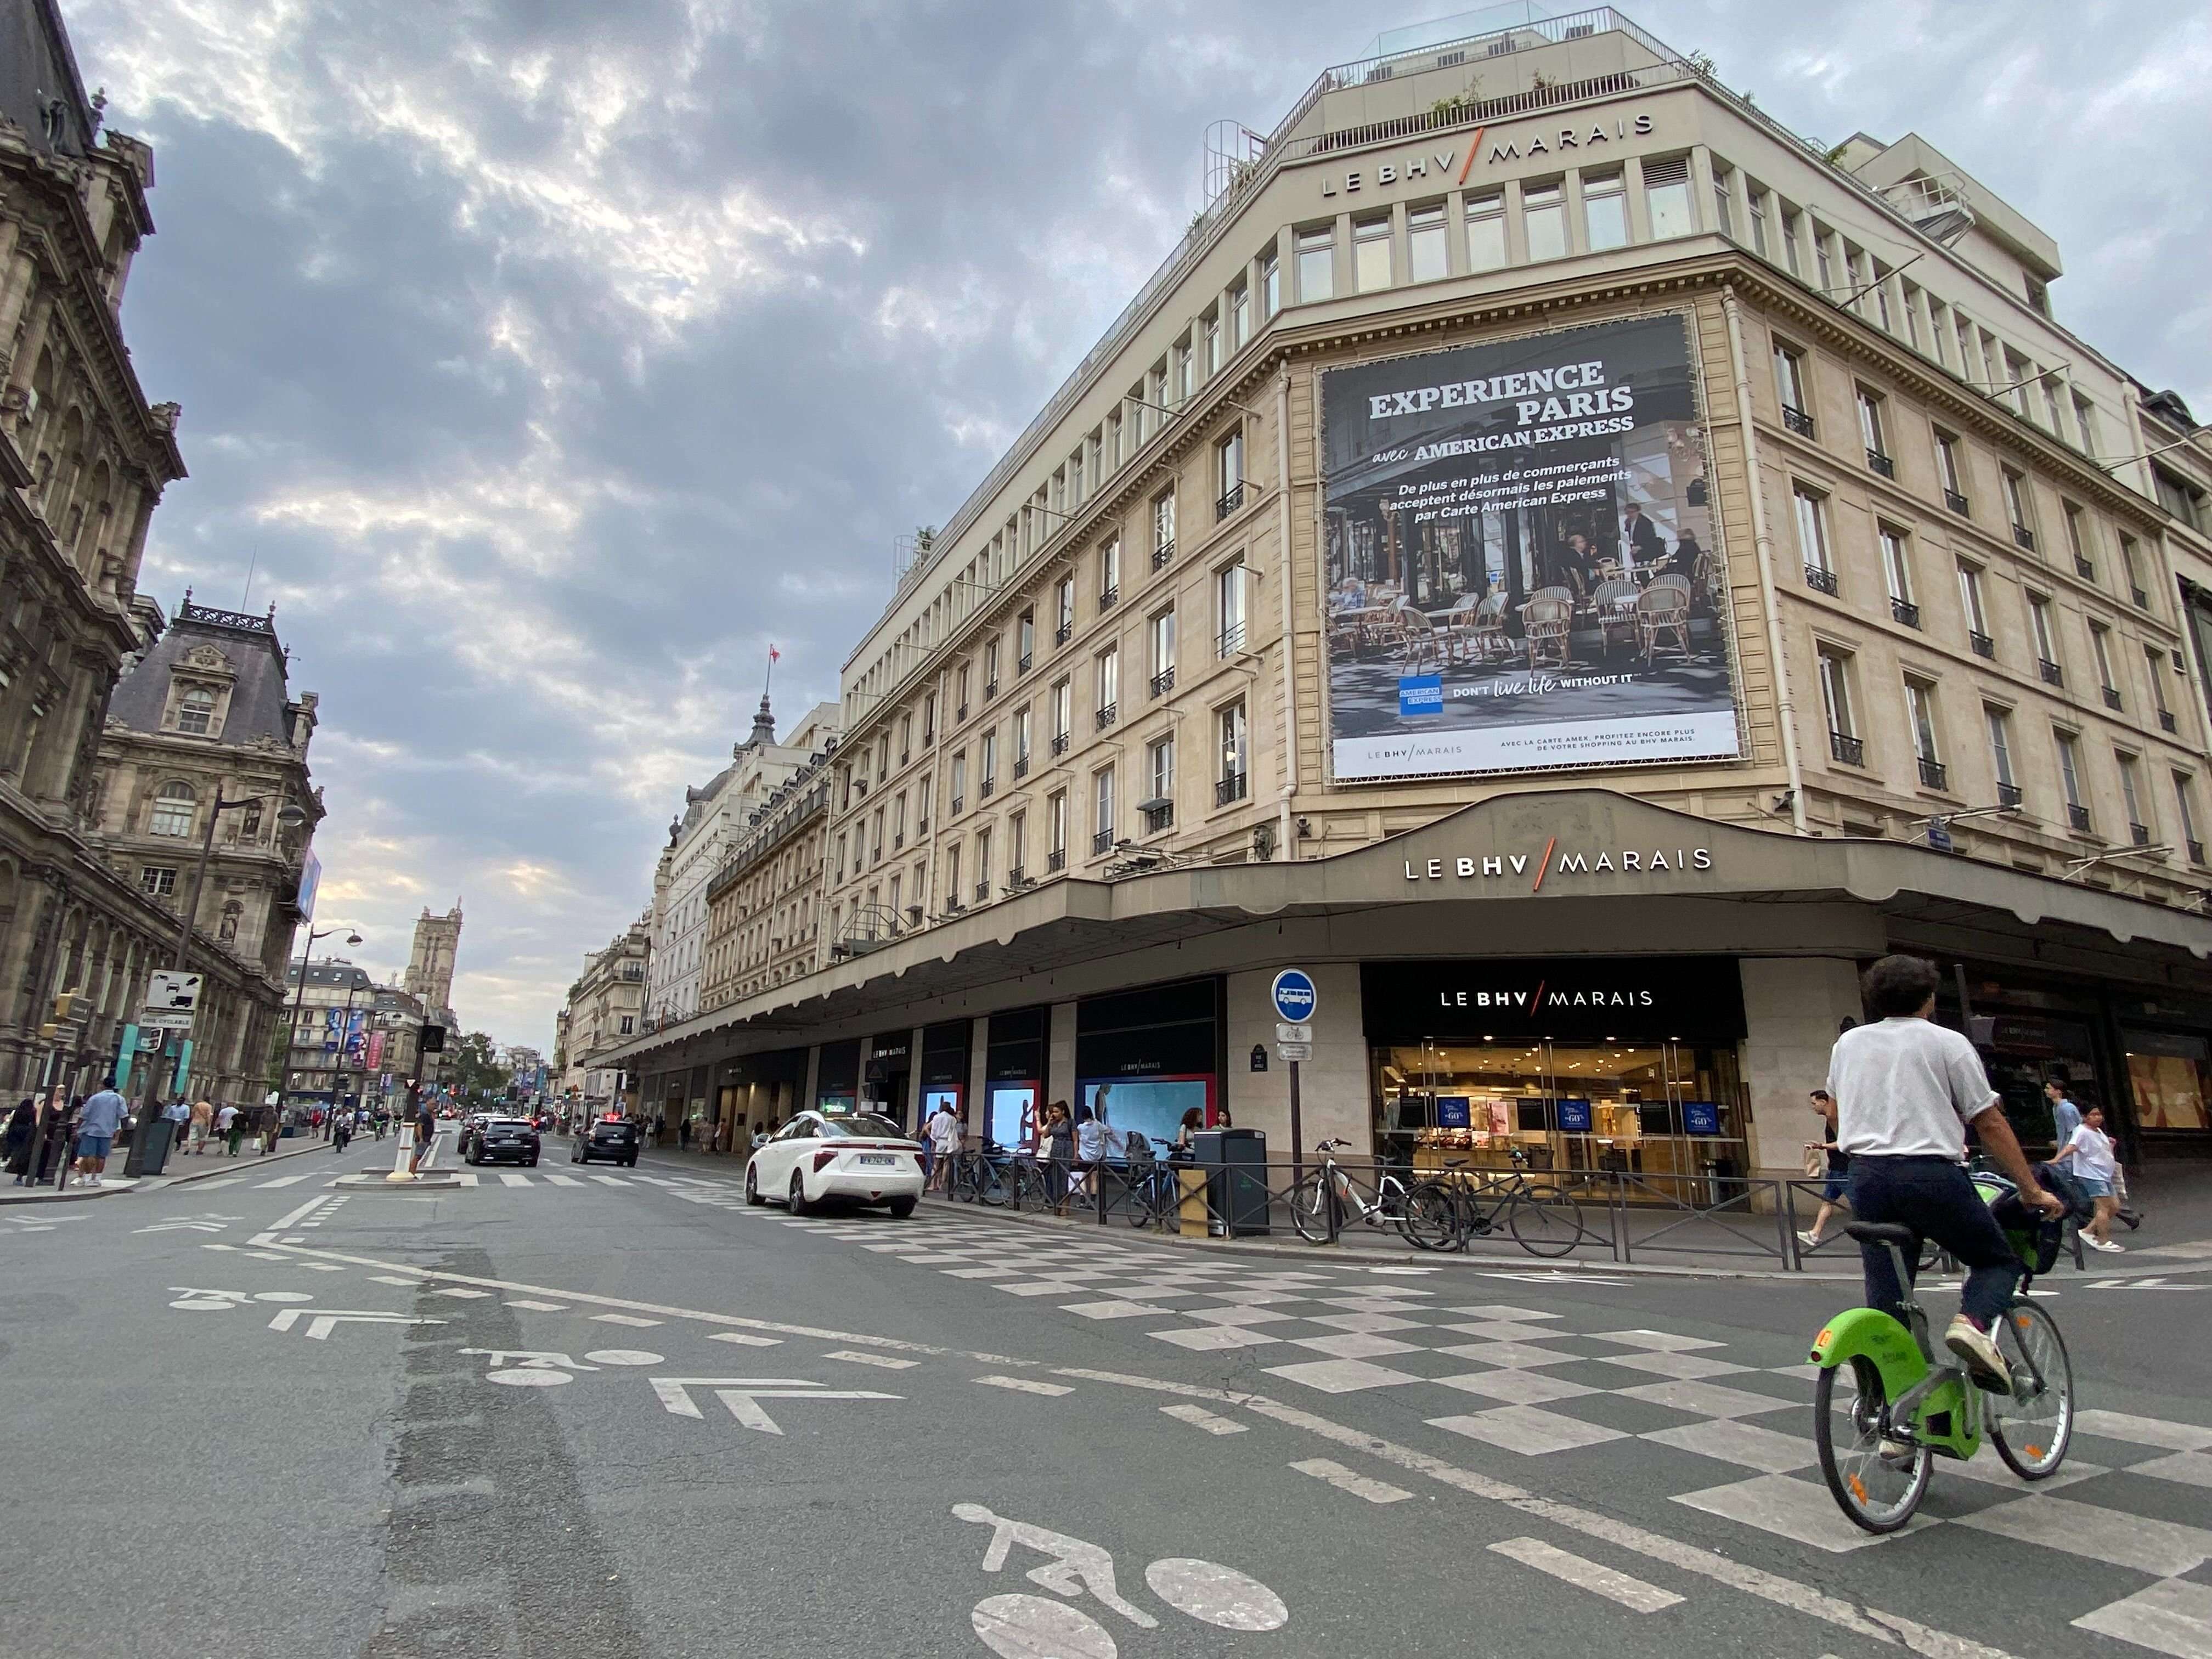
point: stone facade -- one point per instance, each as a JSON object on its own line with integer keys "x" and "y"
{"x": 605, "y": 1008}
{"x": 349, "y": 1034}
{"x": 763, "y": 903}
{"x": 83, "y": 460}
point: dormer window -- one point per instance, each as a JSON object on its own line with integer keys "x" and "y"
{"x": 196, "y": 711}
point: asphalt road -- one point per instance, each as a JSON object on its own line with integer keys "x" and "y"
{"x": 607, "y": 1414}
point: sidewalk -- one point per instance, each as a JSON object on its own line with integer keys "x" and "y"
{"x": 2176, "y": 1237}
{"x": 181, "y": 1170}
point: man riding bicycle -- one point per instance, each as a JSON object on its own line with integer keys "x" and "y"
{"x": 1905, "y": 1088}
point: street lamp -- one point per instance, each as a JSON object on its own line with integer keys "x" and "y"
{"x": 292, "y": 1032}
{"x": 290, "y": 816}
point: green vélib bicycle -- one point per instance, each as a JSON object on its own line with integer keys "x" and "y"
{"x": 1887, "y": 1406}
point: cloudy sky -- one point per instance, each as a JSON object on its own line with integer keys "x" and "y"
{"x": 547, "y": 359}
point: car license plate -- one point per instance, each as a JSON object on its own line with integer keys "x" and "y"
{"x": 884, "y": 1158}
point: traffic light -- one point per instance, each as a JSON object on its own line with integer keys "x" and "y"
{"x": 64, "y": 1002}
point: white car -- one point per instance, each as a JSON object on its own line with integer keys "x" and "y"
{"x": 857, "y": 1157}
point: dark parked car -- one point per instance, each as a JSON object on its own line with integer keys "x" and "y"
{"x": 489, "y": 1140}
{"x": 615, "y": 1138}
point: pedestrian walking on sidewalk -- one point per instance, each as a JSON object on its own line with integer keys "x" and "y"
{"x": 2088, "y": 1154}
{"x": 203, "y": 1120}
{"x": 1059, "y": 1138}
{"x": 1089, "y": 1150}
{"x": 15, "y": 1139}
{"x": 945, "y": 1131}
{"x": 230, "y": 1124}
{"x": 95, "y": 1133}
{"x": 1837, "y": 1165}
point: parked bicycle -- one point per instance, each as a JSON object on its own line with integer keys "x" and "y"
{"x": 1886, "y": 1405}
{"x": 978, "y": 1176}
{"x": 1331, "y": 1197}
{"x": 1450, "y": 1212}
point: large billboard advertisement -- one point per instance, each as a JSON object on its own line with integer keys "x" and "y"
{"x": 1522, "y": 569}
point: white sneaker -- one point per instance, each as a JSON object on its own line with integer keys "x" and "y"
{"x": 1978, "y": 1352}
{"x": 2108, "y": 1247}
{"x": 1805, "y": 1238}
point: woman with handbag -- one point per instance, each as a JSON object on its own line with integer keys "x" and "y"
{"x": 1824, "y": 1157}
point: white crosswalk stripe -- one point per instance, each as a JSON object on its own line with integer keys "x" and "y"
{"x": 282, "y": 1181}
{"x": 1344, "y": 1480}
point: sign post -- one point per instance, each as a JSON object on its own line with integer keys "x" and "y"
{"x": 1296, "y": 1002}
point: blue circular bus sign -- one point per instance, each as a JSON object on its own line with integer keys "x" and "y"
{"x": 1294, "y": 996}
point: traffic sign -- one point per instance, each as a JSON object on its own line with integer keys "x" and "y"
{"x": 1294, "y": 1034}
{"x": 1295, "y": 999}
{"x": 172, "y": 999}
{"x": 1295, "y": 1050}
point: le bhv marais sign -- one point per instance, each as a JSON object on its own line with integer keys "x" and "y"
{"x": 1561, "y": 866}
{"x": 1455, "y": 164}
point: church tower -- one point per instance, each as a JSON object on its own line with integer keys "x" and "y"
{"x": 430, "y": 966}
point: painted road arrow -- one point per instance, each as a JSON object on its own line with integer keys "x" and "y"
{"x": 742, "y": 1394}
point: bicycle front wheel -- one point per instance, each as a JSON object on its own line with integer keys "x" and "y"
{"x": 1431, "y": 1218}
{"x": 991, "y": 1184}
{"x": 1879, "y": 1492}
{"x": 2033, "y": 1424}
{"x": 1544, "y": 1226}
{"x": 1310, "y": 1208}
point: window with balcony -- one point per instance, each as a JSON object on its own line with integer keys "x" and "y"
{"x": 928, "y": 719}
{"x": 2137, "y": 593}
{"x": 1063, "y": 702}
{"x": 1948, "y": 469}
{"x": 1812, "y": 513}
{"x": 2069, "y": 780}
{"x": 1228, "y": 474}
{"x": 1229, "y": 603}
{"x": 924, "y": 791}
{"x": 2016, "y": 504}
{"x": 1873, "y": 435}
{"x": 1017, "y": 845}
{"x": 1485, "y": 230}
{"x": 2100, "y": 653}
{"x": 1977, "y": 620}
{"x": 1667, "y": 197}
{"x": 1106, "y": 685}
{"x": 1316, "y": 262}
{"x": 1605, "y": 211}
{"x": 1109, "y": 573}
{"x": 987, "y": 766}
{"x": 983, "y": 867}
{"x": 2185, "y": 817}
{"x": 876, "y": 842}
{"x": 952, "y": 903}
{"x": 960, "y": 693}
{"x": 1056, "y": 817}
{"x": 1790, "y": 389}
{"x": 2042, "y": 627}
{"x": 1897, "y": 571}
{"x": 1426, "y": 254}
{"x": 959, "y": 782}
{"x": 1231, "y": 780}
{"x": 1162, "y": 634}
{"x": 1370, "y": 253}
{"x": 2078, "y": 542}
{"x": 1164, "y": 529}
{"x": 1544, "y": 220}
{"x": 1063, "y": 610}
{"x": 898, "y": 822}
{"x": 1844, "y": 744}
{"x": 1022, "y": 726}
{"x": 1101, "y": 806}
{"x": 1997, "y": 723}
{"x": 2131, "y": 798}
{"x": 1920, "y": 709}
{"x": 1158, "y": 807}
{"x": 1025, "y": 642}
{"x": 2155, "y": 668}
{"x": 990, "y": 669}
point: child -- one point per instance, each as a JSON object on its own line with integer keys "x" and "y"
{"x": 2088, "y": 1153}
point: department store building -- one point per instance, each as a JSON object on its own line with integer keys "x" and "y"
{"x": 1580, "y": 572}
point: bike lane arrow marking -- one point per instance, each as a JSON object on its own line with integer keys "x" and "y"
{"x": 741, "y": 1395}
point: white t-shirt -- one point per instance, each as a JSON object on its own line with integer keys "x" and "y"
{"x": 945, "y": 1131}
{"x": 1906, "y": 1088}
{"x": 223, "y": 1118}
{"x": 1089, "y": 1139}
{"x": 2093, "y": 1153}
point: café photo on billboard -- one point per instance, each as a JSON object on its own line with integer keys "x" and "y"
{"x": 1520, "y": 558}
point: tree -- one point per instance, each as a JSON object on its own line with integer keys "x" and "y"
{"x": 472, "y": 1065}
